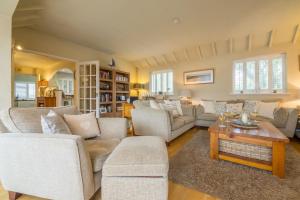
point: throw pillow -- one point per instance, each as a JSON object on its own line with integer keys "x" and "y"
{"x": 251, "y": 106}
{"x": 85, "y": 125}
{"x": 170, "y": 108}
{"x": 220, "y": 107}
{"x": 3, "y": 129}
{"x": 236, "y": 108}
{"x": 280, "y": 117}
{"x": 266, "y": 109}
{"x": 209, "y": 106}
{"x": 154, "y": 105}
{"x": 176, "y": 104}
{"x": 53, "y": 123}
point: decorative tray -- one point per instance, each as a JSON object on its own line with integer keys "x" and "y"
{"x": 249, "y": 125}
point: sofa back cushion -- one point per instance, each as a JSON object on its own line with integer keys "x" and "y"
{"x": 28, "y": 120}
{"x": 141, "y": 104}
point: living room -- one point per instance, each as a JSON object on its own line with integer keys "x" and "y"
{"x": 149, "y": 100}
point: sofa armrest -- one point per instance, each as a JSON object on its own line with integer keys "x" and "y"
{"x": 113, "y": 127}
{"x": 199, "y": 110}
{"x": 148, "y": 121}
{"x": 188, "y": 110}
{"x": 291, "y": 123}
{"x": 28, "y": 160}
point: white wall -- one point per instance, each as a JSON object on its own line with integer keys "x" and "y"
{"x": 6, "y": 10}
{"x": 222, "y": 87}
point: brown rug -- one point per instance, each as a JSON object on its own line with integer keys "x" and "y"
{"x": 193, "y": 168}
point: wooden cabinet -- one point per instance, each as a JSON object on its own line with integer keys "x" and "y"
{"x": 46, "y": 102}
{"x": 102, "y": 89}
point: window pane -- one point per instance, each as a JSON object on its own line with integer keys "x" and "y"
{"x": 153, "y": 85}
{"x": 65, "y": 86}
{"x": 164, "y": 82}
{"x": 263, "y": 71}
{"x": 238, "y": 75}
{"x": 21, "y": 90}
{"x": 70, "y": 87}
{"x": 250, "y": 75}
{"x": 31, "y": 90}
{"x": 158, "y": 83}
{"x": 170, "y": 82}
{"x": 277, "y": 73}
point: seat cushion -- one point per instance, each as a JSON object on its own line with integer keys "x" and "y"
{"x": 207, "y": 117}
{"x": 187, "y": 119}
{"x": 99, "y": 150}
{"x": 142, "y": 156}
{"x": 177, "y": 123}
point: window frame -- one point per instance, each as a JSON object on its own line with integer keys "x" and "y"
{"x": 61, "y": 87}
{"x": 257, "y": 60}
{"x": 161, "y": 72}
{"x": 27, "y": 90}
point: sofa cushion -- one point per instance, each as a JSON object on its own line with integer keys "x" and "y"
{"x": 209, "y": 106}
{"x": 85, "y": 125}
{"x": 187, "y": 119}
{"x": 234, "y": 108}
{"x": 267, "y": 109}
{"x": 177, "y": 123}
{"x": 207, "y": 117}
{"x": 143, "y": 156}
{"x": 28, "y": 120}
{"x": 99, "y": 150}
{"x": 220, "y": 107}
{"x": 280, "y": 117}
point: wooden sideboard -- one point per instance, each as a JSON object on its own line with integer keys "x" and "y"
{"x": 46, "y": 101}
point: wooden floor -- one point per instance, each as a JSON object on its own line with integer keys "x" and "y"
{"x": 176, "y": 191}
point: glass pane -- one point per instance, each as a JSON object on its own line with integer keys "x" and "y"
{"x": 81, "y": 69}
{"x": 71, "y": 90}
{"x": 93, "y": 69}
{"x": 263, "y": 71}
{"x": 82, "y": 80}
{"x": 153, "y": 83}
{"x": 65, "y": 86}
{"x": 87, "y": 70}
{"x": 158, "y": 83}
{"x": 277, "y": 73}
{"x": 250, "y": 75}
{"x": 87, "y": 93}
{"x": 81, "y": 104}
{"x": 31, "y": 91}
{"x": 170, "y": 82}
{"x": 81, "y": 93}
{"x": 21, "y": 90}
{"x": 238, "y": 76}
{"x": 164, "y": 82}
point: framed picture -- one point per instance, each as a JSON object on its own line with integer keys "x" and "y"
{"x": 199, "y": 77}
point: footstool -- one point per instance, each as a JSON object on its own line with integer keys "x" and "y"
{"x": 137, "y": 169}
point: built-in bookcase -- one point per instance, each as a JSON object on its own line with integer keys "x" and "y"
{"x": 101, "y": 89}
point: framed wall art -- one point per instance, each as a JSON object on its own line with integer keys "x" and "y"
{"x": 199, "y": 77}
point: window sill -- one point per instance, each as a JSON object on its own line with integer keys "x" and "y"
{"x": 260, "y": 94}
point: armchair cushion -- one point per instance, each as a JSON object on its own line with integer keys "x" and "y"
{"x": 99, "y": 149}
{"x": 113, "y": 128}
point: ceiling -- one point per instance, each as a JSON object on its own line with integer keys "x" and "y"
{"x": 25, "y": 59}
{"x": 144, "y": 32}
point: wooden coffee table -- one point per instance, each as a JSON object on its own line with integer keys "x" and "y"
{"x": 263, "y": 148}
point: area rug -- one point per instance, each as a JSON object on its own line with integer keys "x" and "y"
{"x": 193, "y": 168}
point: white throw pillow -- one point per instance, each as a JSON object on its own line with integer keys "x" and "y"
{"x": 85, "y": 125}
{"x": 234, "y": 108}
{"x": 266, "y": 109}
{"x": 170, "y": 107}
{"x": 176, "y": 104}
{"x": 154, "y": 105}
{"x": 209, "y": 106}
{"x": 251, "y": 106}
{"x": 52, "y": 123}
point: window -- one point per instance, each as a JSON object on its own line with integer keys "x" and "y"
{"x": 259, "y": 75}
{"x": 162, "y": 82}
{"x": 25, "y": 90}
{"x": 66, "y": 85}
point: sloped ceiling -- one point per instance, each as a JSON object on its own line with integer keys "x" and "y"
{"x": 143, "y": 31}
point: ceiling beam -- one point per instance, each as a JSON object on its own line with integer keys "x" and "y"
{"x": 199, "y": 50}
{"x": 186, "y": 55}
{"x": 250, "y": 42}
{"x": 230, "y": 44}
{"x": 174, "y": 57}
{"x": 165, "y": 59}
{"x": 271, "y": 36}
{"x": 155, "y": 60}
{"x": 148, "y": 63}
{"x": 33, "y": 8}
{"x": 22, "y": 25}
{"x": 296, "y": 34}
{"x": 214, "y": 48}
{"x": 26, "y": 18}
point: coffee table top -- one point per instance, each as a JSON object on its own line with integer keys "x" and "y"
{"x": 266, "y": 131}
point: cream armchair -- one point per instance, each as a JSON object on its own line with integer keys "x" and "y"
{"x": 54, "y": 166}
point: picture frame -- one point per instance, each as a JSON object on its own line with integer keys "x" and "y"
{"x": 103, "y": 110}
{"x": 203, "y": 76}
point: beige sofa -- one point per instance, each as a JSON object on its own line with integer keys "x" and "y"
{"x": 152, "y": 122}
{"x": 54, "y": 166}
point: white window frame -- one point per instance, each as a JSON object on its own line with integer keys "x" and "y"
{"x": 27, "y": 89}
{"x": 257, "y": 90}
{"x": 154, "y": 91}
{"x": 61, "y": 87}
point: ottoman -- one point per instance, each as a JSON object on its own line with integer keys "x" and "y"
{"x": 137, "y": 169}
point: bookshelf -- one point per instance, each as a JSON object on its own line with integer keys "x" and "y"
{"x": 102, "y": 90}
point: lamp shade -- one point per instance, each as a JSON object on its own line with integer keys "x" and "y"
{"x": 186, "y": 93}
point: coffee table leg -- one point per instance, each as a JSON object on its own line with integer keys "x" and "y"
{"x": 278, "y": 159}
{"x": 214, "y": 145}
